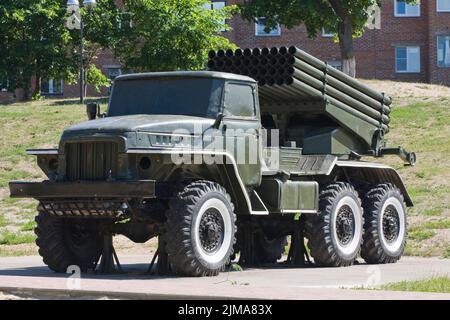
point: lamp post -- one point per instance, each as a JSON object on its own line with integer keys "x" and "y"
{"x": 75, "y": 21}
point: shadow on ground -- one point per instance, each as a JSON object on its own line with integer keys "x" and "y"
{"x": 138, "y": 271}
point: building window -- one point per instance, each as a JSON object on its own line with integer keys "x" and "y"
{"x": 113, "y": 72}
{"x": 443, "y": 51}
{"x": 403, "y": 9}
{"x": 3, "y": 83}
{"x": 443, "y": 5}
{"x": 407, "y": 59}
{"x": 216, "y": 5}
{"x": 260, "y": 27}
{"x": 52, "y": 87}
{"x": 327, "y": 33}
{"x": 337, "y": 64}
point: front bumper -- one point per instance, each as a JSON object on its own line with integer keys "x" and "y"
{"x": 82, "y": 189}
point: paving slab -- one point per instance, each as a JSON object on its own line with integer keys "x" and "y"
{"x": 28, "y": 276}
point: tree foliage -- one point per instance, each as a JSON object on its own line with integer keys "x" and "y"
{"x": 170, "y": 34}
{"x": 145, "y": 35}
{"x": 34, "y": 41}
{"x": 346, "y": 18}
{"x": 96, "y": 78}
{"x": 315, "y": 15}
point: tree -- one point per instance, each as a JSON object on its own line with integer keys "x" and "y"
{"x": 170, "y": 34}
{"x": 34, "y": 42}
{"x": 346, "y": 18}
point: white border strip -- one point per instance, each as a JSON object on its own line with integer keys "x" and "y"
{"x": 41, "y": 151}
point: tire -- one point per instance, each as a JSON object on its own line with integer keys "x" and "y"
{"x": 385, "y": 228}
{"x": 201, "y": 205}
{"x": 66, "y": 242}
{"x": 268, "y": 250}
{"x": 335, "y": 233}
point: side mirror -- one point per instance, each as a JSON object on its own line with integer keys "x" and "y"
{"x": 92, "y": 110}
{"x": 218, "y": 121}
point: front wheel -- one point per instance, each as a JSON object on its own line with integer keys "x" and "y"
{"x": 65, "y": 242}
{"x": 201, "y": 228}
{"x": 335, "y": 233}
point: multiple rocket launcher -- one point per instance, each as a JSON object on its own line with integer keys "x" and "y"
{"x": 290, "y": 75}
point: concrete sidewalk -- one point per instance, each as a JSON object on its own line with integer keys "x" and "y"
{"x": 28, "y": 276}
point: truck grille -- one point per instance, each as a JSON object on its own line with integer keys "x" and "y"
{"x": 91, "y": 160}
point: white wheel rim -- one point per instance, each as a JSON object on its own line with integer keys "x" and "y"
{"x": 394, "y": 246}
{"x": 219, "y": 254}
{"x": 353, "y": 246}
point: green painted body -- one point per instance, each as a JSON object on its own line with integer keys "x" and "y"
{"x": 115, "y": 148}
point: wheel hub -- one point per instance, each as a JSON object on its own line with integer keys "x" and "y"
{"x": 79, "y": 234}
{"x": 211, "y": 230}
{"x": 391, "y": 224}
{"x": 345, "y": 225}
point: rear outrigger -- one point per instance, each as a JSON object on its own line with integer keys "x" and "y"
{"x": 267, "y": 144}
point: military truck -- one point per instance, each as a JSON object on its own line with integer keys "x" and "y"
{"x": 266, "y": 145}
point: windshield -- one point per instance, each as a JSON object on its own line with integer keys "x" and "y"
{"x": 171, "y": 95}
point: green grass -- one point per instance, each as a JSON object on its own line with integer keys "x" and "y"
{"x": 420, "y": 235}
{"x": 9, "y": 238}
{"x": 28, "y": 226}
{"x": 3, "y": 221}
{"x": 431, "y": 225}
{"x": 16, "y": 252}
{"x": 433, "y": 212}
{"x": 446, "y": 253}
{"x": 436, "y": 284}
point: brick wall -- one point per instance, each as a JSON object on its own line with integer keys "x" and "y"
{"x": 439, "y": 24}
{"x": 375, "y": 50}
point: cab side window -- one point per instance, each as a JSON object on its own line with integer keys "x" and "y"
{"x": 239, "y": 101}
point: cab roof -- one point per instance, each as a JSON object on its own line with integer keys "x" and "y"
{"x": 185, "y": 74}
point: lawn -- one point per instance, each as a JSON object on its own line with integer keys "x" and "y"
{"x": 420, "y": 123}
{"x": 36, "y": 124}
{"x": 437, "y": 284}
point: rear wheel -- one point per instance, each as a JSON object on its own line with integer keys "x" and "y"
{"x": 201, "y": 228}
{"x": 65, "y": 242}
{"x": 335, "y": 233}
{"x": 385, "y": 229}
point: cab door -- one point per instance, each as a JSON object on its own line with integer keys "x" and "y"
{"x": 242, "y": 127}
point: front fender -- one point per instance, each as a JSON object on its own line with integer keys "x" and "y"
{"x": 232, "y": 180}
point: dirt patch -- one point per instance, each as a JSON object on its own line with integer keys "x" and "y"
{"x": 123, "y": 245}
{"x": 23, "y": 249}
{"x": 4, "y": 192}
{"x": 442, "y": 238}
{"x": 409, "y": 90}
{"x": 7, "y": 296}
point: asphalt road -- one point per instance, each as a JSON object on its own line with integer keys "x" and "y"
{"x": 29, "y": 277}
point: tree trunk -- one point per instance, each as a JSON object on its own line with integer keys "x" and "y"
{"x": 85, "y": 73}
{"x": 37, "y": 85}
{"x": 346, "y": 46}
{"x": 345, "y": 35}
{"x": 26, "y": 88}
